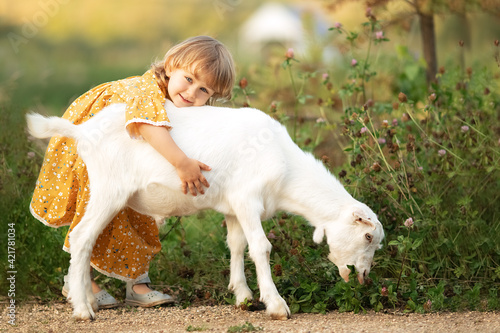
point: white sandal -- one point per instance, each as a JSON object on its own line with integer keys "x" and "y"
{"x": 148, "y": 300}
{"x": 104, "y": 299}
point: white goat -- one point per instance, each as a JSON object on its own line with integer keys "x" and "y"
{"x": 256, "y": 171}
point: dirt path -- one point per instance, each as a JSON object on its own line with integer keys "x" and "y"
{"x": 57, "y": 318}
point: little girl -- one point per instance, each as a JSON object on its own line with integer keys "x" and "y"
{"x": 195, "y": 72}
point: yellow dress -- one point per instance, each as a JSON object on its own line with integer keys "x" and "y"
{"x": 127, "y": 245}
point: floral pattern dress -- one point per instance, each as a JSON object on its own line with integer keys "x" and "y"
{"x": 127, "y": 245}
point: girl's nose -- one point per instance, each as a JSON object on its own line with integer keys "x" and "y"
{"x": 191, "y": 91}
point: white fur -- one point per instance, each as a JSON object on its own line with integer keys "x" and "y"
{"x": 256, "y": 171}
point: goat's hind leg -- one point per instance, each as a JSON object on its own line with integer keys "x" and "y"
{"x": 237, "y": 243}
{"x": 101, "y": 209}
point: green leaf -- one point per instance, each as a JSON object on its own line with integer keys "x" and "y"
{"x": 294, "y": 307}
{"x": 305, "y": 298}
{"x": 378, "y": 307}
{"x": 417, "y": 243}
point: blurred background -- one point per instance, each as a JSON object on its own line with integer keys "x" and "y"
{"x": 54, "y": 50}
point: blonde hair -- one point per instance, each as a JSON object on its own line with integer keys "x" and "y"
{"x": 205, "y": 57}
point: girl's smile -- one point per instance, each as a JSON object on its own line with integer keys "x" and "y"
{"x": 185, "y": 100}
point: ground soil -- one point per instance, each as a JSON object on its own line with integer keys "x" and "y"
{"x": 56, "y": 317}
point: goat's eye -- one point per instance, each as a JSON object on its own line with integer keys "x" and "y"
{"x": 369, "y": 237}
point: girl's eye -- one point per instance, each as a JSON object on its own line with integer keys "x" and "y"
{"x": 205, "y": 90}
{"x": 188, "y": 79}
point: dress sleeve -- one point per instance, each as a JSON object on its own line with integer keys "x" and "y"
{"x": 145, "y": 109}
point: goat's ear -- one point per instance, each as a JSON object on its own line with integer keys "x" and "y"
{"x": 319, "y": 234}
{"x": 361, "y": 217}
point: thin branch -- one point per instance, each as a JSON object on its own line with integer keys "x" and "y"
{"x": 172, "y": 228}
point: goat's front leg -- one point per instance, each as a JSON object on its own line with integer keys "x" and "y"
{"x": 259, "y": 249}
{"x": 100, "y": 210}
{"x": 237, "y": 243}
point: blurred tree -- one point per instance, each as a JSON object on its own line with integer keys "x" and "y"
{"x": 425, "y": 10}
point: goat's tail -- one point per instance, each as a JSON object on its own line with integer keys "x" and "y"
{"x": 45, "y": 127}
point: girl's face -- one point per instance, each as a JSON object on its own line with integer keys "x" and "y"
{"x": 185, "y": 89}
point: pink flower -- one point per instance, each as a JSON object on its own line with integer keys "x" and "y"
{"x": 442, "y": 152}
{"x": 394, "y": 122}
{"x": 384, "y": 291}
{"x": 325, "y": 76}
{"x": 428, "y": 305}
{"x": 382, "y": 141}
{"x": 354, "y": 62}
{"x": 465, "y": 128}
{"x": 379, "y": 35}
{"x": 363, "y": 130}
{"x": 409, "y": 222}
{"x": 273, "y": 107}
{"x": 337, "y": 25}
{"x": 271, "y": 235}
{"x": 289, "y": 54}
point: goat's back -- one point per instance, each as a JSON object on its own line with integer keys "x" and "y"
{"x": 207, "y": 132}
{"x": 244, "y": 148}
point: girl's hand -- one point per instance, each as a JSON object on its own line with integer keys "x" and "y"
{"x": 189, "y": 171}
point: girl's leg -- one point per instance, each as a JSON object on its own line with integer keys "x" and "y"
{"x": 95, "y": 286}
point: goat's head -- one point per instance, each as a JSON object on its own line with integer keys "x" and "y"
{"x": 353, "y": 238}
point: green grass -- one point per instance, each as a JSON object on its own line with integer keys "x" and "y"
{"x": 39, "y": 259}
{"x": 247, "y": 327}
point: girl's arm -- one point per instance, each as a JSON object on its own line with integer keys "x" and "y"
{"x": 188, "y": 169}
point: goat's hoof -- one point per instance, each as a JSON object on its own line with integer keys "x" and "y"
{"x": 84, "y": 314}
{"x": 83, "y": 317}
{"x": 278, "y": 310}
{"x": 275, "y": 316}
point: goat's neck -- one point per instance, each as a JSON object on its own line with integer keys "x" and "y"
{"x": 312, "y": 191}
